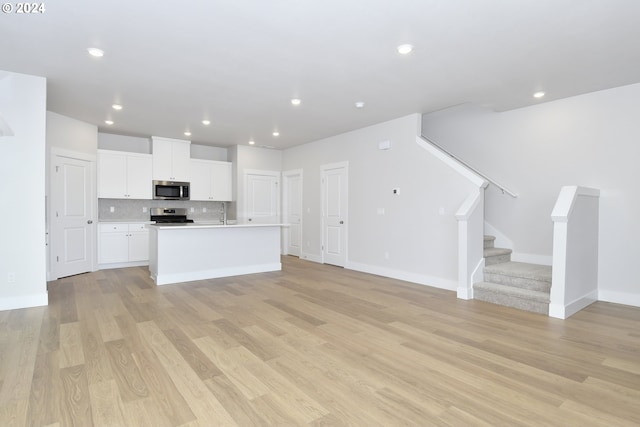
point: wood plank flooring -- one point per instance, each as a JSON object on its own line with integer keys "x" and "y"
{"x": 313, "y": 345}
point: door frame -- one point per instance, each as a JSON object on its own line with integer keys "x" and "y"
{"x": 286, "y": 176}
{"x": 323, "y": 171}
{"x": 53, "y": 232}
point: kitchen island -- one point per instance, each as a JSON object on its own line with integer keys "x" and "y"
{"x": 187, "y": 252}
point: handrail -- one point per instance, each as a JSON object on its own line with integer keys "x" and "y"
{"x": 471, "y": 168}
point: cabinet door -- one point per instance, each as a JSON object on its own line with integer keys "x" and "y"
{"x": 200, "y": 180}
{"x": 181, "y": 161}
{"x": 139, "y": 173}
{"x": 113, "y": 247}
{"x": 139, "y": 246}
{"x": 221, "y": 181}
{"x": 162, "y": 160}
{"x": 112, "y": 175}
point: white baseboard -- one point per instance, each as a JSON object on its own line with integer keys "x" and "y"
{"x": 619, "y": 298}
{"x": 27, "y": 301}
{"x": 421, "y": 279}
{"x": 166, "y": 279}
{"x": 122, "y": 265}
{"x": 532, "y": 258}
{"x": 562, "y": 312}
{"x": 311, "y": 257}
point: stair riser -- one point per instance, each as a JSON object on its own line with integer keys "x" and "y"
{"x": 518, "y": 282}
{"x": 510, "y": 301}
{"x": 489, "y": 244}
{"x": 497, "y": 259}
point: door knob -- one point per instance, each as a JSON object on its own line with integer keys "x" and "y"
{"x": 89, "y": 221}
{"x": 341, "y": 222}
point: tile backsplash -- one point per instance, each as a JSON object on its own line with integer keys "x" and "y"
{"x": 133, "y": 209}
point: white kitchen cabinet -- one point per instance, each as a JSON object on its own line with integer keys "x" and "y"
{"x": 171, "y": 159}
{"x": 123, "y": 244}
{"x": 123, "y": 175}
{"x": 211, "y": 180}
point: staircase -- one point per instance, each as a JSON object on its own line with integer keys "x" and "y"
{"x": 513, "y": 284}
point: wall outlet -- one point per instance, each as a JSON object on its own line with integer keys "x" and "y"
{"x": 386, "y": 255}
{"x": 112, "y": 209}
{"x": 193, "y": 210}
{"x": 380, "y": 211}
{"x": 204, "y": 210}
{"x": 144, "y": 209}
{"x": 11, "y": 277}
{"x": 441, "y": 211}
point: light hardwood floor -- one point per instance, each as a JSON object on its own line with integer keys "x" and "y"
{"x": 312, "y": 345}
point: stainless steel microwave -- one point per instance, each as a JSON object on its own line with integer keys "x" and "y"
{"x": 170, "y": 190}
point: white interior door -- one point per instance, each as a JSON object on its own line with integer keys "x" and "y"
{"x": 293, "y": 212}
{"x": 334, "y": 213}
{"x": 72, "y": 216}
{"x": 263, "y": 197}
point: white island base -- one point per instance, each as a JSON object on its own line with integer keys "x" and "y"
{"x": 183, "y": 253}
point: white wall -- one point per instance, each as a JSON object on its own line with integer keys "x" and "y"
{"x": 109, "y": 141}
{"x": 420, "y": 241}
{"x": 245, "y": 157}
{"x": 71, "y": 134}
{"x": 589, "y": 140}
{"x": 22, "y": 171}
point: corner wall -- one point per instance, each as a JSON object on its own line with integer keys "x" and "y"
{"x": 22, "y": 170}
{"x": 589, "y": 140}
{"x": 415, "y": 238}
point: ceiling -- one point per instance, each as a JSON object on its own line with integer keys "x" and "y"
{"x": 238, "y": 63}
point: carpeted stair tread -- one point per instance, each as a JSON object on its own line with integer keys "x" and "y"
{"x": 522, "y": 270}
{"x": 496, "y": 252}
{"x": 489, "y": 241}
{"x": 516, "y": 292}
{"x": 522, "y": 299}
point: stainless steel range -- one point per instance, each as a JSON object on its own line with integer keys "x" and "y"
{"x": 170, "y": 216}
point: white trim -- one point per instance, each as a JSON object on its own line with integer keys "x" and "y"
{"x": 475, "y": 179}
{"x": 286, "y": 175}
{"x": 165, "y": 279}
{"x": 53, "y": 234}
{"x": 323, "y": 170}
{"x": 311, "y": 257}
{"x": 566, "y": 200}
{"x": 619, "y": 297}
{"x": 562, "y": 312}
{"x": 532, "y": 258}
{"x": 420, "y": 279}
{"x": 122, "y": 265}
{"x": 13, "y": 303}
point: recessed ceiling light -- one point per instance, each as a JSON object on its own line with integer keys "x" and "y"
{"x": 117, "y": 107}
{"x": 109, "y": 122}
{"x": 404, "y": 49}
{"x": 252, "y": 142}
{"x": 276, "y": 133}
{"x": 538, "y": 94}
{"x": 296, "y": 101}
{"x": 359, "y": 104}
{"x": 187, "y": 133}
{"x": 93, "y": 51}
{"x": 206, "y": 122}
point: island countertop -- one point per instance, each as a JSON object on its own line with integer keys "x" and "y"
{"x": 211, "y": 225}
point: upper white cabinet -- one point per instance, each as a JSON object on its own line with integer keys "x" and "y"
{"x": 211, "y": 180}
{"x": 123, "y": 175}
{"x": 171, "y": 159}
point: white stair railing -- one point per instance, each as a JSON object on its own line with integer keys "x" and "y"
{"x": 574, "y": 280}
{"x": 470, "y": 218}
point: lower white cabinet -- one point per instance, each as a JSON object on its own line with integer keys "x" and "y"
{"x": 120, "y": 243}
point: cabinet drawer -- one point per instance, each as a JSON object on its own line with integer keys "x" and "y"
{"x": 138, "y": 227}
{"x": 113, "y": 228}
